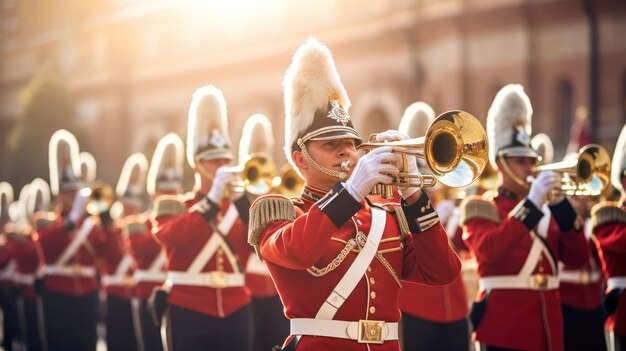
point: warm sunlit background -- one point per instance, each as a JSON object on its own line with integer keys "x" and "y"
{"x": 119, "y": 74}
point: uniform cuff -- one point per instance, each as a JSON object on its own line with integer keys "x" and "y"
{"x": 527, "y": 213}
{"x": 242, "y": 205}
{"x": 564, "y": 214}
{"x": 420, "y": 215}
{"x": 339, "y": 205}
{"x": 208, "y": 209}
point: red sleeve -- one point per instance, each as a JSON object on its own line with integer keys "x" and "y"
{"x": 612, "y": 237}
{"x": 491, "y": 241}
{"x": 429, "y": 258}
{"x": 166, "y": 230}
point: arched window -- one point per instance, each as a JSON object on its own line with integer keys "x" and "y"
{"x": 564, "y": 117}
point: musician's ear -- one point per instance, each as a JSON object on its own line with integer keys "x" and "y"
{"x": 298, "y": 160}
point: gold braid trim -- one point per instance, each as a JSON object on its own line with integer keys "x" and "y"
{"x": 168, "y": 205}
{"x": 475, "y": 207}
{"x": 320, "y": 272}
{"x": 267, "y": 210}
{"x": 606, "y": 212}
{"x": 402, "y": 223}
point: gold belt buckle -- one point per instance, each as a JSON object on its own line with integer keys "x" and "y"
{"x": 585, "y": 277}
{"x": 218, "y": 279}
{"x": 77, "y": 269}
{"x": 370, "y": 332}
{"x": 540, "y": 281}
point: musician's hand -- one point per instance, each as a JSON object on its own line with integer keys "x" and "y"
{"x": 220, "y": 182}
{"x": 373, "y": 168}
{"x": 394, "y": 135}
{"x": 78, "y": 207}
{"x": 541, "y": 186}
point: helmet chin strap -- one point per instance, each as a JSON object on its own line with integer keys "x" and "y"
{"x": 521, "y": 185}
{"x": 345, "y": 165}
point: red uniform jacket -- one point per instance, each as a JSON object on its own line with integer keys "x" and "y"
{"x": 521, "y": 318}
{"x": 52, "y": 241}
{"x": 316, "y": 238}
{"x": 144, "y": 250}
{"x": 27, "y": 264}
{"x": 183, "y": 237}
{"x": 7, "y": 262}
{"x": 611, "y": 244}
{"x": 113, "y": 251}
{"x": 586, "y": 294}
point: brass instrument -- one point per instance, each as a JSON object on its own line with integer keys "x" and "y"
{"x": 290, "y": 183}
{"x": 455, "y": 149}
{"x": 255, "y": 175}
{"x": 587, "y": 175}
{"x": 100, "y": 197}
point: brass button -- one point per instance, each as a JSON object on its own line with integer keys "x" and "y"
{"x": 358, "y": 221}
{"x": 372, "y": 310}
{"x": 372, "y": 280}
{"x": 369, "y": 269}
{"x": 373, "y": 295}
{"x": 541, "y": 269}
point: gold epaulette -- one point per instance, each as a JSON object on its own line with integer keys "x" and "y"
{"x": 133, "y": 228}
{"x": 606, "y": 212}
{"x": 168, "y": 205}
{"x": 43, "y": 220}
{"x": 266, "y": 210}
{"x": 477, "y": 207}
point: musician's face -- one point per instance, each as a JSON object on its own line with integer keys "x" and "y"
{"x": 66, "y": 199}
{"x": 522, "y": 166}
{"x": 329, "y": 154}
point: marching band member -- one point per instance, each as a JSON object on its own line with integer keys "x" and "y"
{"x": 336, "y": 259}
{"x": 433, "y": 317}
{"x": 209, "y": 304}
{"x": 7, "y": 268}
{"x": 270, "y": 325}
{"x": 68, "y": 250}
{"x": 165, "y": 177}
{"x": 609, "y": 229}
{"x": 517, "y": 240}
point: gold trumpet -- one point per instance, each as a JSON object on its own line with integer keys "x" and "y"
{"x": 455, "y": 150}
{"x": 586, "y": 175}
{"x": 256, "y": 175}
{"x": 100, "y": 197}
{"x": 290, "y": 183}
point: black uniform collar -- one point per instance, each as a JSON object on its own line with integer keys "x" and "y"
{"x": 507, "y": 193}
{"x": 312, "y": 194}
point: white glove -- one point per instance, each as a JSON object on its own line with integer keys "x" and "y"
{"x": 78, "y": 207}
{"x": 373, "y": 168}
{"x": 541, "y": 186}
{"x": 220, "y": 182}
{"x": 394, "y": 135}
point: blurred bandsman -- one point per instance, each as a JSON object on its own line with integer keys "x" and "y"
{"x": 209, "y": 304}
{"x": 337, "y": 260}
{"x": 37, "y": 212}
{"x": 270, "y": 325}
{"x": 88, "y": 167}
{"x": 517, "y": 240}
{"x": 165, "y": 177}
{"x": 117, "y": 263}
{"x": 433, "y": 317}
{"x": 609, "y": 229}
{"x": 68, "y": 251}
{"x": 8, "y": 267}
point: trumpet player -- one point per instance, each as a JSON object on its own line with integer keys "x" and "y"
{"x": 270, "y": 325}
{"x": 68, "y": 251}
{"x": 609, "y": 229}
{"x": 209, "y": 304}
{"x": 337, "y": 260}
{"x": 517, "y": 241}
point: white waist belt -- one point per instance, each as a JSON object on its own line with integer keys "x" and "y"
{"x": 579, "y": 277}
{"x": 215, "y": 279}
{"x": 534, "y": 282}
{"x": 616, "y": 283}
{"x": 125, "y": 280}
{"x": 143, "y": 275}
{"x": 363, "y": 331}
{"x": 24, "y": 279}
{"x": 71, "y": 271}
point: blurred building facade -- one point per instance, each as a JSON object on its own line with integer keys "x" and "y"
{"x": 132, "y": 65}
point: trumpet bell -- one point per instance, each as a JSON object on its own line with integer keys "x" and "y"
{"x": 256, "y": 175}
{"x": 100, "y": 198}
{"x": 456, "y": 148}
{"x": 291, "y": 183}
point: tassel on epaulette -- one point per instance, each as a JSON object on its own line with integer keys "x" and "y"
{"x": 265, "y": 211}
{"x": 606, "y": 212}
{"x": 478, "y": 208}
